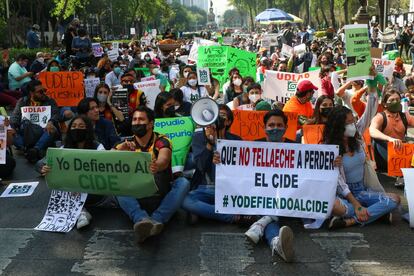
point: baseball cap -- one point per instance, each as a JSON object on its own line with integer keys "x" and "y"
{"x": 263, "y": 106}
{"x": 305, "y": 85}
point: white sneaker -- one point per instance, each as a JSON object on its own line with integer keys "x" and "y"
{"x": 84, "y": 219}
{"x": 283, "y": 244}
{"x": 255, "y": 232}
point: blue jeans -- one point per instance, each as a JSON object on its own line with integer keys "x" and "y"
{"x": 377, "y": 204}
{"x": 169, "y": 204}
{"x": 271, "y": 231}
{"x": 201, "y": 203}
{"x": 44, "y": 141}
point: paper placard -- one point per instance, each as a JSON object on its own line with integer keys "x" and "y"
{"x": 398, "y": 159}
{"x": 203, "y": 76}
{"x": 132, "y": 31}
{"x": 90, "y": 85}
{"x": 20, "y": 189}
{"x": 97, "y": 50}
{"x": 120, "y": 100}
{"x": 3, "y": 141}
{"x": 113, "y": 55}
{"x": 38, "y": 115}
{"x": 286, "y": 50}
{"x": 151, "y": 89}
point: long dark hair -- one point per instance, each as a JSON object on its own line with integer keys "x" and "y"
{"x": 90, "y": 142}
{"x": 316, "y": 118}
{"x": 161, "y": 99}
{"x": 333, "y": 133}
{"x": 99, "y": 86}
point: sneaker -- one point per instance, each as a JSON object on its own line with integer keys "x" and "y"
{"x": 337, "y": 223}
{"x": 156, "y": 228}
{"x": 399, "y": 182}
{"x": 84, "y": 219}
{"x": 143, "y": 229}
{"x": 283, "y": 244}
{"x": 255, "y": 232}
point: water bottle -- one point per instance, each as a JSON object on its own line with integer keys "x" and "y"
{"x": 404, "y": 104}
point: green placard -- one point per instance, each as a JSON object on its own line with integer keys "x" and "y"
{"x": 221, "y": 59}
{"x": 101, "y": 172}
{"x": 180, "y": 131}
{"x": 358, "y": 51}
{"x": 145, "y": 71}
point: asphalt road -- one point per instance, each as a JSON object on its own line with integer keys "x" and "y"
{"x": 107, "y": 246}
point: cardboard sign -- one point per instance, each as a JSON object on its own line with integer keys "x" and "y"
{"x": 198, "y": 42}
{"x": 203, "y": 76}
{"x": 150, "y": 78}
{"x": 384, "y": 67}
{"x": 120, "y": 101}
{"x": 38, "y": 115}
{"x": 228, "y": 40}
{"x": 113, "y": 55}
{"x": 266, "y": 43}
{"x": 151, "y": 89}
{"x": 65, "y": 87}
{"x": 313, "y": 134}
{"x": 398, "y": 159}
{"x": 90, "y": 85}
{"x": 286, "y": 51}
{"x": 358, "y": 51}
{"x": 132, "y": 31}
{"x": 272, "y": 38}
{"x": 376, "y": 53}
{"x": 115, "y": 46}
{"x": 20, "y": 189}
{"x": 281, "y": 179}
{"x": 97, "y": 50}
{"x": 249, "y": 125}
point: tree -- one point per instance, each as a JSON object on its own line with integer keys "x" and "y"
{"x": 232, "y": 18}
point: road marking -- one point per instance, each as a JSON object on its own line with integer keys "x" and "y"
{"x": 224, "y": 253}
{"x": 12, "y": 240}
{"x": 105, "y": 253}
{"x": 338, "y": 246}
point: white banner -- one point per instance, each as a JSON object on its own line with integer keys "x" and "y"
{"x": 281, "y": 86}
{"x": 38, "y": 115}
{"x": 291, "y": 180}
{"x": 90, "y": 85}
{"x": 409, "y": 192}
{"x": 193, "y": 56}
{"x": 151, "y": 89}
{"x": 384, "y": 67}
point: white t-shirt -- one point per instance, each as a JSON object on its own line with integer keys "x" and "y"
{"x": 191, "y": 95}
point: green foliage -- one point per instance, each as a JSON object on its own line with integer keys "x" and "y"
{"x": 31, "y": 53}
{"x": 66, "y": 7}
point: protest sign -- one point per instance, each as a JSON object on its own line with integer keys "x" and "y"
{"x": 266, "y": 42}
{"x": 38, "y": 115}
{"x": 244, "y": 107}
{"x": 183, "y": 59}
{"x": 203, "y": 76}
{"x": 62, "y": 212}
{"x": 228, "y": 40}
{"x": 65, "y": 87}
{"x": 384, "y": 67}
{"x": 312, "y": 134}
{"x": 132, "y": 31}
{"x": 151, "y": 89}
{"x": 409, "y": 193}
{"x": 115, "y": 46}
{"x": 20, "y": 189}
{"x": 376, "y": 53}
{"x": 150, "y": 53}
{"x": 398, "y": 159}
{"x": 280, "y": 179}
{"x": 272, "y": 38}
{"x": 221, "y": 59}
{"x": 281, "y": 86}
{"x": 120, "y": 101}
{"x": 286, "y": 51}
{"x": 3, "y": 140}
{"x": 145, "y": 71}
{"x": 154, "y": 33}
{"x": 358, "y": 51}
{"x": 180, "y": 131}
{"x": 387, "y": 37}
{"x": 150, "y": 78}
{"x": 299, "y": 49}
{"x": 97, "y": 50}
{"x": 113, "y": 55}
{"x": 100, "y": 172}
{"x": 249, "y": 125}
{"x": 90, "y": 85}
{"x": 198, "y": 42}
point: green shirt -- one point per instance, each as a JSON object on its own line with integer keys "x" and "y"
{"x": 15, "y": 71}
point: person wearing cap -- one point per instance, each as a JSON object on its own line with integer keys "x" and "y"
{"x": 33, "y": 38}
{"x": 300, "y": 103}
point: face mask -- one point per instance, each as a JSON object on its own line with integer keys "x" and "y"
{"x": 350, "y": 130}
{"x": 254, "y": 98}
{"x": 102, "y": 98}
{"x": 244, "y": 89}
{"x": 78, "y": 135}
{"x": 192, "y": 82}
{"x": 325, "y": 111}
{"x": 185, "y": 74}
{"x": 54, "y": 69}
{"x": 41, "y": 60}
{"x": 139, "y": 130}
{"x": 170, "y": 112}
{"x": 276, "y": 134}
{"x": 394, "y": 107}
{"x": 155, "y": 71}
{"x": 147, "y": 59}
{"x": 90, "y": 77}
{"x": 117, "y": 70}
{"x": 237, "y": 82}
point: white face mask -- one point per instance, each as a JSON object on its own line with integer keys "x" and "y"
{"x": 41, "y": 60}
{"x": 254, "y": 98}
{"x": 192, "y": 82}
{"x": 237, "y": 82}
{"x": 350, "y": 130}
{"x": 155, "y": 71}
{"x": 102, "y": 98}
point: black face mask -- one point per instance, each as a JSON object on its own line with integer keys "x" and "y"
{"x": 78, "y": 135}
{"x": 139, "y": 130}
{"x": 325, "y": 111}
{"x": 170, "y": 112}
{"x": 130, "y": 87}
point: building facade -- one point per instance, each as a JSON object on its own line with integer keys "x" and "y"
{"x": 202, "y": 4}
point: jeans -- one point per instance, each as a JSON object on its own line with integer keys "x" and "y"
{"x": 201, "y": 203}
{"x": 377, "y": 204}
{"x": 271, "y": 231}
{"x": 44, "y": 141}
{"x": 169, "y": 204}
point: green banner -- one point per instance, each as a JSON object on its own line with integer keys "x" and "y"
{"x": 221, "y": 59}
{"x": 101, "y": 172}
{"x": 180, "y": 131}
{"x": 358, "y": 51}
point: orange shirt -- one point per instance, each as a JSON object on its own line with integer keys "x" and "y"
{"x": 293, "y": 105}
{"x": 395, "y": 127}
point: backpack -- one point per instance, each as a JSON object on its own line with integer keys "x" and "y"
{"x": 403, "y": 119}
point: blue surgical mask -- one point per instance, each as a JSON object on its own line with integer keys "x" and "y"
{"x": 276, "y": 134}
{"x": 117, "y": 70}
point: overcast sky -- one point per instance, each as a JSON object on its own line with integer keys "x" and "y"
{"x": 220, "y": 6}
